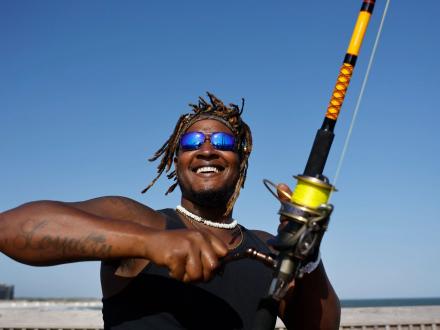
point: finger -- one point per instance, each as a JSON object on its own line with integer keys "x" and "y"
{"x": 186, "y": 278}
{"x": 209, "y": 255}
{"x": 177, "y": 271}
{"x": 219, "y": 247}
{"x": 284, "y": 192}
{"x": 288, "y": 297}
{"x": 193, "y": 267}
{"x": 210, "y": 262}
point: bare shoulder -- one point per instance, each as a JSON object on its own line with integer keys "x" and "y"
{"x": 121, "y": 208}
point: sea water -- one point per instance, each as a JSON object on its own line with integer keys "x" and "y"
{"x": 390, "y": 302}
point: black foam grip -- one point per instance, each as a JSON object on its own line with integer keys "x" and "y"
{"x": 318, "y": 154}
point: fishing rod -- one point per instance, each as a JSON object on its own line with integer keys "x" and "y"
{"x": 313, "y": 188}
{"x": 308, "y": 211}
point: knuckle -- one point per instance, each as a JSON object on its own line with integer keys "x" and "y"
{"x": 197, "y": 235}
{"x": 223, "y": 252}
{"x": 211, "y": 262}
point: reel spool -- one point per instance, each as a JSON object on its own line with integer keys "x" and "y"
{"x": 307, "y": 201}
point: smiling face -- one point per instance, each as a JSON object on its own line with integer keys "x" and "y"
{"x": 207, "y": 176}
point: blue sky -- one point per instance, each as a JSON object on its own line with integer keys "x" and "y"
{"x": 90, "y": 89}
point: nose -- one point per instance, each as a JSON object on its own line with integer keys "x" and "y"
{"x": 207, "y": 150}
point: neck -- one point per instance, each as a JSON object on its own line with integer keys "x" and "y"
{"x": 213, "y": 213}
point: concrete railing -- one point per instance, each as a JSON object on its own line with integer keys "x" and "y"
{"x": 431, "y": 326}
{"x": 86, "y": 315}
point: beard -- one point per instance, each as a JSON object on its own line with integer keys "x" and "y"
{"x": 210, "y": 198}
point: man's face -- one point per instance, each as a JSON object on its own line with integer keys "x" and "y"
{"x": 207, "y": 176}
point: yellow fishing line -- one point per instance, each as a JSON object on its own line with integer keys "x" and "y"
{"x": 311, "y": 192}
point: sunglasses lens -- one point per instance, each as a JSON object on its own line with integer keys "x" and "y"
{"x": 219, "y": 140}
{"x": 223, "y": 141}
{"x": 192, "y": 140}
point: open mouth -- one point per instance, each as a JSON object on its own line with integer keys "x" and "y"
{"x": 208, "y": 169}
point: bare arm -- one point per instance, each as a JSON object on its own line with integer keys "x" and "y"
{"x": 312, "y": 303}
{"x": 47, "y": 233}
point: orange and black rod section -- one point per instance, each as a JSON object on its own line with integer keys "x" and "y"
{"x": 324, "y": 137}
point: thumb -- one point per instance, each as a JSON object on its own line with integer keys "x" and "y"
{"x": 284, "y": 192}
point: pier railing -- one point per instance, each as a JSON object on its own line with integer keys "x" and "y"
{"x": 431, "y": 326}
{"x": 86, "y": 315}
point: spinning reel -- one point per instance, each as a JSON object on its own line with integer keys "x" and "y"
{"x": 304, "y": 218}
{"x": 304, "y": 221}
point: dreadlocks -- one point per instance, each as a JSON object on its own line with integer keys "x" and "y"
{"x": 228, "y": 115}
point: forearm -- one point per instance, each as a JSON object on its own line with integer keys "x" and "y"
{"x": 312, "y": 304}
{"x": 47, "y": 233}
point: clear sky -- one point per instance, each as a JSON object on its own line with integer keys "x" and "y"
{"x": 90, "y": 89}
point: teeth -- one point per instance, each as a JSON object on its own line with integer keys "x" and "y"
{"x": 206, "y": 169}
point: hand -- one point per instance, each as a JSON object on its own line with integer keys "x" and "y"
{"x": 190, "y": 255}
{"x": 284, "y": 193}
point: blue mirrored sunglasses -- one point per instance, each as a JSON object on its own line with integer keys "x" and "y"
{"x": 219, "y": 140}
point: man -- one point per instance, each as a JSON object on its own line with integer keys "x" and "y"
{"x": 163, "y": 269}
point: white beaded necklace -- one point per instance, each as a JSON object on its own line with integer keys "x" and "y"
{"x": 206, "y": 222}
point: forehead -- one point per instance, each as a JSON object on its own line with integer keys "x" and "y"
{"x": 209, "y": 126}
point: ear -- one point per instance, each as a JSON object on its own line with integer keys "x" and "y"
{"x": 175, "y": 161}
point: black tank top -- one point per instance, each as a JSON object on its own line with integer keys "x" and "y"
{"x": 153, "y": 300}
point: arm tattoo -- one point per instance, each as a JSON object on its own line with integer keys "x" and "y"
{"x": 92, "y": 245}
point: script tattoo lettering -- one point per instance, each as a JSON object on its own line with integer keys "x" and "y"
{"x": 92, "y": 245}
{"x": 29, "y": 228}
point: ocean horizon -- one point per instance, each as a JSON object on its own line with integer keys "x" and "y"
{"x": 390, "y": 302}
